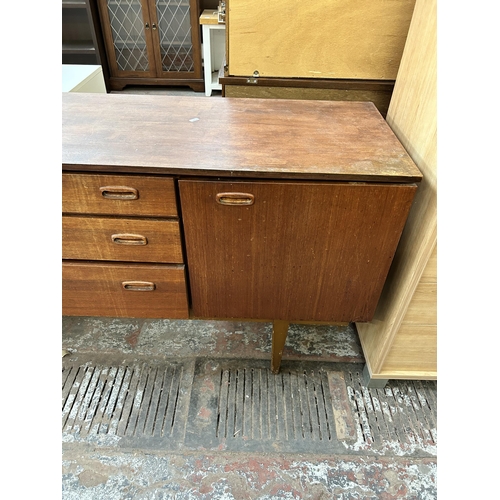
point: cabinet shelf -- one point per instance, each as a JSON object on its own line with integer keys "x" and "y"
{"x": 78, "y": 48}
{"x": 74, "y": 4}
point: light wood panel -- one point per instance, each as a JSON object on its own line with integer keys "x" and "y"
{"x": 413, "y": 354}
{"x": 430, "y": 272}
{"x": 317, "y": 39}
{"x": 422, "y": 309}
{"x": 413, "y": 117}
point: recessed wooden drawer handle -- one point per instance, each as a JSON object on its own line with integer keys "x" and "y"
{"x": 129, "y": 239}
{"x": 235, "y": 198}
{"x": 139, "y": 286}
{"x": 119, "y": 193}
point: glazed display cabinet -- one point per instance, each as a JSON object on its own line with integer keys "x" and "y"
{"x": 152, "y": 42}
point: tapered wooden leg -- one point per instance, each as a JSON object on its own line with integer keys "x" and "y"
{"x": 280, "y": 331}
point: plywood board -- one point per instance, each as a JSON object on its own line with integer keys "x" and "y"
{"x": 319, "y": 38}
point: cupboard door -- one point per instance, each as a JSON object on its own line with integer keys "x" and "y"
{"x": 174, "y": 39}
{"x": 291, "y": 251}
{"x": 127, "y": 31}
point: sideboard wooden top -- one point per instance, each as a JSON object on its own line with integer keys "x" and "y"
{"x": 270, "y": 138}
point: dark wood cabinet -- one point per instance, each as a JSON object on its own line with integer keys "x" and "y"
{"x": 293, "y": 214}
{"x": 152, "y": 42}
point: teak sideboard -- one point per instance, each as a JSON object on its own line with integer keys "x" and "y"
{"x": 184, "y": 207}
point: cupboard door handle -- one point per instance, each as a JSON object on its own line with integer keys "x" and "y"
{"x": 153, "y": 26}
{"x": 119, "y": 193}
{"x": 139, "y": 286}
{"x": 147, "y": 26}
{"x": 235, "y": 198}
{"x": 129, "y": 239}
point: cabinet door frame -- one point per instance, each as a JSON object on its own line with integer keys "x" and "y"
{"x": 115, "y": 71}
{"x": 195, "y": 43}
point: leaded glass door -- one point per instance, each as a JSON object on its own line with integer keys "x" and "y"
{"x": 127, "y": 31}
{"x": 175, "y": 39}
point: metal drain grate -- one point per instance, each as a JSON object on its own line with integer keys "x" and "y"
{"x": 140, "y": 400}
{"x": 239, "y": 405}
{"x": 255, "y": 404}
{"x": 404, "y": 412}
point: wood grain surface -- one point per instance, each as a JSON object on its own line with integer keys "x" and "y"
{"x": 318, "y": 39}
{"x": 81, "y": 194}
{"x": 397, "y": 346}
{"x": 302, "y": 251}
{"x": 96, "y": 289}
{"x": 272, "y": 138}
{"x": 381, "y": 98}
{"x": 91, "y": 238}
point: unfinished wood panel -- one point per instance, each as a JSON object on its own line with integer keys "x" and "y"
{"x": 279, "y": 138}
{"x": 412, "y": 115}
{"x": 136, "y": 240}
{"x": 299, "y": 251}
{"x": 381, "y": 99}
{"x": 317, "y": 39}
{"x": 118, "y": 194}
{"x": 123, "y": 290}
{"x": 413, "y": 353}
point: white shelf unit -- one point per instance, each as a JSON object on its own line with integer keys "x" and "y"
{"x": 213, "y": 50}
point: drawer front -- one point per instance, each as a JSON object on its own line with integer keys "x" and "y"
{"x": 118, "y": 195}
{"x": 124, "y": 290}
{"x": 136, "y": 240}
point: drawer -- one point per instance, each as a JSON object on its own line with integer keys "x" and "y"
{"x": 118, "y": 195}
{"x": 136, "y": 240}
{"x": 124, "y": 290}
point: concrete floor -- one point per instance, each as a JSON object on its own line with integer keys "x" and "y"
{"x": 195, "y": 466}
